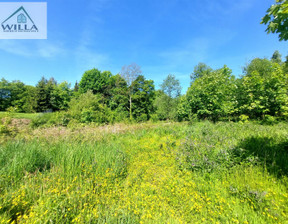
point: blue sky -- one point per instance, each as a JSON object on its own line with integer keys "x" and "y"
{"x": 163, "y": 37}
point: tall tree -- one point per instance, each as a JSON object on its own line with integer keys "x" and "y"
{"x": 94, "y": 80}
{"x": 276, "y": 57}
{"x": 263, "y": 90}
{"x": 60, "y": 96}
{"x": 143, "y": 98}
{"x": 117, "y": 94}
{"x": 171, "y": 86}
{"x": 5, "y": 94}
{"x": 200, "y": 70}
{"x": 76, "y": 87}
{"x": 130, "y": 73}
{"x": 213, "y": 95}
{"x": 166, "y": 99}
{"x": 44, "y": 89}
{"x": 277, "y": 19}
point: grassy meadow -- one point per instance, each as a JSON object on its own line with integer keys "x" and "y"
{"x": 145, "y": 173}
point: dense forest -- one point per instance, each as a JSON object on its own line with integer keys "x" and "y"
{"x": 261, "y": 92}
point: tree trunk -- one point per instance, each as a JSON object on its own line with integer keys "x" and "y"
{"x": 130, "y": 109}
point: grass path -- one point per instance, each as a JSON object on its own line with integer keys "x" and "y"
{"x": 141, "y": 175}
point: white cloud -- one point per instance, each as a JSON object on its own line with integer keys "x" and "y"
{"x": 43, "y": 49}
{"x": 85, "y": 54}
{"x": 16, "y": 47}
{"x": 49, "y": 50}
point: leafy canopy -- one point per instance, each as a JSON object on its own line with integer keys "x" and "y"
{"x": 277, "y": 19}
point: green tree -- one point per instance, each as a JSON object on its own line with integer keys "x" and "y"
{"x": 94, "y": 80}
{"x": 200, "y": 70}
{"x": 76, "y": 87}
{"x": 15, "y": 94}
{"x": 285, "y": 65}
{"x": 89, "y": 107}
{"x": 117, "y": 94}
{"x": 167, "y": 99}
{"x": 60, "y": 96}
{"x": 183, "y": 108}
{"x": 143, "y": 97}
{"x": 263, "y": 90}
{"x": 44, "y": 89}
{"x": 212, "y": 95}
{"x": 30, "y": 104}
{"x": 277, "y": 19}
{"x": 171, "y": 86}
{"x": 276, "y": 57}
{"x": 5, "y": 94}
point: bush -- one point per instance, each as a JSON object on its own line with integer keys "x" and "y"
{"x": 61, "y": 118}
{"x": 154, "y": 117}
{"x": 88, "y": 108}
{"x": 41, "y": 119}
{"x": 6, "y": 128}
{"x": 142, "y": 118}
{"x": 87, "y": 116}
{"x": 270, "y": 120}
{"x": 243, "y": 118}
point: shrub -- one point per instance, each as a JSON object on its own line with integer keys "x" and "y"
{"x": 142, "y": 118}
{"x": 41, "y": 119}
{"x": 243, "y": 118}
{"x": 60, "y": 118}
{"x": 154, "y": 117}
{"x": 270, "y": 120}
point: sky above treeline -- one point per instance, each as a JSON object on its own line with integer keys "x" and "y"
{"x": 163, "y": 37}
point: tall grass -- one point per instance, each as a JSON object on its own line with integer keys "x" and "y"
{"x": 165, "y": 173}
{"x": 18, "y": 115}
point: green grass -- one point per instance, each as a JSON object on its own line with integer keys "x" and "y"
{"x": 151, "y": 173}
{"x": 18, "y": 115}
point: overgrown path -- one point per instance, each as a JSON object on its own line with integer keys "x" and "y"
{"x": 149, "y": 173}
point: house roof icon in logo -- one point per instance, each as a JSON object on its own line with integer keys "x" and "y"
{"x": 21, "y": 18}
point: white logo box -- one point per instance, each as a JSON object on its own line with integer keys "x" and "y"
{"x": 23, "y": 20}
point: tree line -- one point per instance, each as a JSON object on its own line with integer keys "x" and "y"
{"x": 101, "y": 97}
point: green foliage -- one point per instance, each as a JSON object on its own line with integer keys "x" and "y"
{"x": 41, "y": 119}
{"x": 167, "y": 99}
{"x": 6, "y": 129}
{"x": 60, "y": 118}
{"x": 116, "y": 95}
{"x": 89, "y": 108}
{"x": 85, "y": 101}
{"x": 263, "y": 90}
{"x": 276, "y": 57}
{"x": 183, "y": 109}
{"x": 270, "y": 120}
{"x": 154, "y": 117}
{"x": 200, "y": 70}
{"x": 94, "y": 80}
{"x": 60, "y": 96}
{"x": 213, "y": 95}
{"x": 165, "y": 106}
{"x": 143, "y": 97}
{"x": 17, "y": 95}
{"x": 171, "y": 86}
{"x": 44, "y": 89}
{"x": 276, "y": 19}
{"x": 243, "y": 118}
